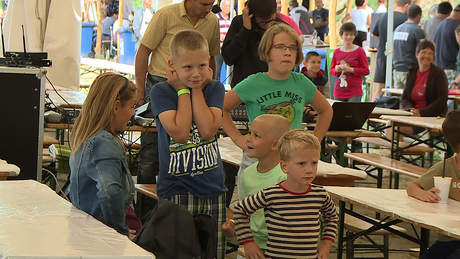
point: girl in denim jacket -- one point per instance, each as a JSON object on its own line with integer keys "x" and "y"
{"x": 100, "y": 181}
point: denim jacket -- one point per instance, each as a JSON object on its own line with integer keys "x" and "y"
{"x": 100, "y": 181}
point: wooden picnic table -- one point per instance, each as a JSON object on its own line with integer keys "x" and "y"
{"x": 327, "y": 174}
{"x": 398, "y": 205}
{"x": 399, "y": 92}
{"x": 100, "y": 66}
{"x": 67, "y": 99}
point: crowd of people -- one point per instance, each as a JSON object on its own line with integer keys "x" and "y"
{"x": 181, "y": 49}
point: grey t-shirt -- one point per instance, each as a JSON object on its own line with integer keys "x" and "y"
{"x": 380, "y": 30}
{"x": 105, "y": 29}
{"x": 430, "y": 27}
{"x": 405, "y": 40}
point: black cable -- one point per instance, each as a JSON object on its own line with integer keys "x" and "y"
{"x": 225, "y": 80}
{"x": 47, "y": 96}
{"x": 71, "y": 106}
{"x": 57, "y": 92}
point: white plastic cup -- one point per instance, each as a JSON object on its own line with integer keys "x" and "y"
{"x": 443, "y": 184}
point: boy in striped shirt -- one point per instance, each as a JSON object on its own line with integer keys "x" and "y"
{"x": 293, "y": 207}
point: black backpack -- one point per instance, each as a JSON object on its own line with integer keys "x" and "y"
{"x": 172, "y": 232}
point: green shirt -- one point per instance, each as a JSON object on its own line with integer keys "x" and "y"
{"x": 251, "y": 183}
{"x": 427, "y": 181}
{"x": 263, "y": 95}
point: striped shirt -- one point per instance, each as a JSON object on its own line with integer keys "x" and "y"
{"x": 293, "y": 220}
{"x": 224, "y": 25}
{"x": 168, "y": 21}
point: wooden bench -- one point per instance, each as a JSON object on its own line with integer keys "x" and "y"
{"x": 133, "y": 146}
{"x": 7, "y": 170}
{"x": 241, "y": 251}
{"x": 415, "y": 150}
{"x": 46, "y": 158}
{"x": 85, "y": 86}
{"x": 393, "y": 165}
{"x": 414, "y": 252}
{"x": 48, "y": 141}
{"x": 147, "y": 189}
{"x": 356, "y": 225}
{"x": 378, "y": 121}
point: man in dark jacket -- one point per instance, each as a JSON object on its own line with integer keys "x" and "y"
{"x": 240, "y": 47}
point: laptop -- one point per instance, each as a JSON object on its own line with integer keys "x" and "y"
{"x": 139, "y": 117}
{"x": 350, "y": 115}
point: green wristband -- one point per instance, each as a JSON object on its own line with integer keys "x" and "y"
{"x": 183, "y": 91}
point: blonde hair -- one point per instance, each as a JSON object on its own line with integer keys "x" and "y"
{"x": 296, "y": 139}
{"x": 187, "y": 40}
{"x": 276, "y": 124}
{"x": 266, "y": 43}
{"x": 97, "y": 110}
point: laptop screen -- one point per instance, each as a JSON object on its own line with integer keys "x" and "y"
{"x": 350, "y": 115}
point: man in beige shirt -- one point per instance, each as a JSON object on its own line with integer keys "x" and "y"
{"x": 189, "y": 14}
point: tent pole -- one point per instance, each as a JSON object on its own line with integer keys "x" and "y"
{"x": 389, "y": 46}
{"x": 284, "y": 7}
{"x": 332, "y": 25}
{"x": 120, "y": 23}
{"x": 99, "y": 27}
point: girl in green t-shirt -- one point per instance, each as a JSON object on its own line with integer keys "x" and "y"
{"x": 279, "y": 90}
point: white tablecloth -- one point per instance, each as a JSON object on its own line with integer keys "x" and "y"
{"x": 37, "y": 223}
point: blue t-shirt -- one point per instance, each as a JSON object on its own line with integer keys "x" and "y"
{"x": 446, "y": 44}
{"x": 288, "y": 97}
{"x": 195, "y": 166}
{"x": 319, "y": 17}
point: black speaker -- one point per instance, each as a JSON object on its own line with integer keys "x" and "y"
{"x": 21, "y": 111}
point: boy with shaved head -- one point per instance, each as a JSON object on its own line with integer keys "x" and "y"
{"x": 264, "y": 132}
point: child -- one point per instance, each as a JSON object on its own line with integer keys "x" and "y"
{"x": 262, "y": 142}
{"x": 293, "y": 207}
{"x": 424, "y": 190}
{"x": 278, "y": 91}
{"x": 312, "y": 70}
{"x": 349, "y": 64}
{"x": 361, "y": 18}
{"x": 101, "y": 183}
{"x": 188, "y": 108}
{"x": 321, "y": 19}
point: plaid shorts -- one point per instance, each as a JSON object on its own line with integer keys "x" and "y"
{"x": 451, "y": 75}
{"x": 214, "y": 206}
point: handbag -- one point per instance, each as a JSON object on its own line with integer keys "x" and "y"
{"x": 390, "y": 102}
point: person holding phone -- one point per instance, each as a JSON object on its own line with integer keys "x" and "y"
{"x": 240, "y": 47}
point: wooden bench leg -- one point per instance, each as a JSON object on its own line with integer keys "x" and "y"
{"x": 396, "y": 181}
{"x": 386, "y": 246}
{"x": 341, "y": 229}
{"x": 350, "y": 254}
{"x": 379, "y": 177}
